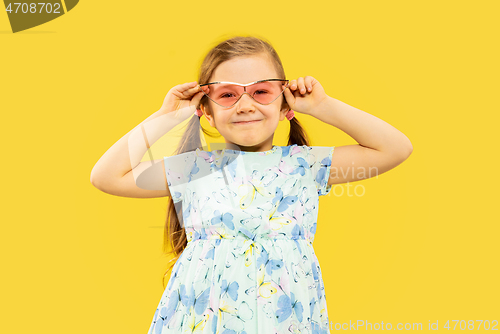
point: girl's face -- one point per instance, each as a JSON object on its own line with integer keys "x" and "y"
{"x": 256, "y": 136}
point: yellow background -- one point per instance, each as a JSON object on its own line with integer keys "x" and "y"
{"x": 421, "y": 244}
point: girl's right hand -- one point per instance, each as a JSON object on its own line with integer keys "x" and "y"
{"x": 182, "y": 96}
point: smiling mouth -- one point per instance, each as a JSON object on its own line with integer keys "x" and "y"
{"x": 251, "y": 122}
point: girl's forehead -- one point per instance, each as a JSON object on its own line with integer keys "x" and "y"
{"x": 245, "y": 70}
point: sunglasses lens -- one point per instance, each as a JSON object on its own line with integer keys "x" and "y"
{"x": 225, "y": 94}
{"x": 266, "y": 92}
{"x": 263, "y": 92}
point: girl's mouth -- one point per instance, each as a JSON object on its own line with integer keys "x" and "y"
{"x": 251, "y": 122}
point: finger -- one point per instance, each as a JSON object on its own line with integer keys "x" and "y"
{"x": 293, "y": 84}
{"x": 290, "y": 99}
{"x": 186, "y": 86}
{"x": 206, "y": 89}
{"x": 308, "y": 82}
{"x": 301, "y": 86}
{"x": 182, "y": 91}
{"x": 196, "y": 99}
{"x": 191, "y": 91}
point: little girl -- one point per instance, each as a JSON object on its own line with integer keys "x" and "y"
{"x": 242, "y": 219}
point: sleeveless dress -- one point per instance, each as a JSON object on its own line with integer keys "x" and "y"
{"x": 249, "y": 265}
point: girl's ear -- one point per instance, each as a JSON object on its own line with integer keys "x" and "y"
{"x": 284, "y": 110}
{"x": 285, "y": 107}
{"x": 209, "y": 118}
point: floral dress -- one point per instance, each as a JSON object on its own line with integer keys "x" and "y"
{"x": 249, "y": 265}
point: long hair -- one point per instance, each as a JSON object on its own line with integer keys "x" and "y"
{"x": 238, "y": 46}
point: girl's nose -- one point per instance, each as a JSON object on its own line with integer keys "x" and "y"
{"x": 245, "y": 101}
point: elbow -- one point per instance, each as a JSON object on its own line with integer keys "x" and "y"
{"x": 95, "y": 180}
{"x": 405, "y": 148}
{"x": 406, "y": 151}
{"x": 409, "y": 148}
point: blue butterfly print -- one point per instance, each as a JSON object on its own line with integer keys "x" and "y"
{"x": 226, "y": 218}
{"x": 284, "y": 202}
{"x": 301, "y": 169}
{"x": 285, "y": 306}
{"x": 193, "y": 171}
{"x": 298, "y": 233}
{"x": 287, "y": 201}
{"x": 320, "y": 177}
{"x": 187, "y": 300}
{"x": 200, "y": 234}
{"x": 231, "y": 289}
{"x": 247, "y": 233}
{"x": 200, "y": 303}
{"x": 167, "y": 312}
{"x": 316, "y": 329}
{"x": 313, "y": 228}
{"x": 320, "y": 291}
{"x": 315, "y": 271}
{"x": 232, "y": 167}
{"x": 178, "y": 267}
{"x": 214, "y": 323}
{"x": 278, "y": 195}
{"x": 285, "y": 151}
{"x": 176, "y": 193}
{"x": 311, "y": 307}
{"x": 211, "y": 253}
{"x": 223, "y": 163}
{"x": 269, "y": 264}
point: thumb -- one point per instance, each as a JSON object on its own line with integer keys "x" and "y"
{"x": 196, "y": 99}
{"x": 290, "y": 99}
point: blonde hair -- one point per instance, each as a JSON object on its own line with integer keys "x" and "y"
{"x": 228, "y": 49}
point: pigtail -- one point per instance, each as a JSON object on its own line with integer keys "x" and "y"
{"x": 297, "y": 134}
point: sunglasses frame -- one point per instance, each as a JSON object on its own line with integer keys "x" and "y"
{"x": 245, "y": 90}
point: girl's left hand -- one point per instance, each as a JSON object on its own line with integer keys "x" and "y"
{"x": 304, "y": 95}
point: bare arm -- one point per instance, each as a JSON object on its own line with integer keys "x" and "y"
{"x": 120, "y": 170}
{"x": 381, "y": 146}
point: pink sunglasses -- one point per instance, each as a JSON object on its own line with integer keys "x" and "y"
{"x": 226, "y": 94}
